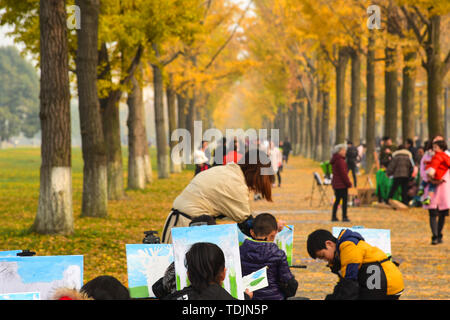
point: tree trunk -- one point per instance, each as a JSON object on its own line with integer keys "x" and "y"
{"x": 182, "y": 106}
{"x": 311, "y": 145}
{"x": 340, "y": 95}
{"x": 137, "y": 138}
{"x": 408, "y": 87}
{"x": 434, "y": 78}
{"x": 303, "y": 138}
{"x": 95, "y": 194}
{"x": 370, "y": 109}
{"x": 294, "y": 128}
{"x": 391, "y": 94}
{"x": 354, "y": 124}
{"x": 172, "y": 108}
{"x": 318, "y": 125}
{"x": 161, "y": 137}
{"x": 326, "y": 154}
{"x": 182, "y": 113}
{"x": 111, "y": 130}
{"x": 190, "y": 117}
{"x": 54, "y": 214}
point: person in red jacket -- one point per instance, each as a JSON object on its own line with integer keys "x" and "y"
{"x": 340, "y": 181}
{"x": 437, "y": 168}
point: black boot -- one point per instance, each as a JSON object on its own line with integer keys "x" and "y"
{"x": 434, "y": 230}
{"x": 434, "y": 240}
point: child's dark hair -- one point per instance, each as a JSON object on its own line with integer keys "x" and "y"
{"x": 441, "y": 144}
{"x": 316, "y": 241}
{"x": 204, "y": 263}
{"x": 264, "y": 224}
{"x": 106, "y": 288}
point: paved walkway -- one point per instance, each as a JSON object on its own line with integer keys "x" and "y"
{"x": 426, "y": 268}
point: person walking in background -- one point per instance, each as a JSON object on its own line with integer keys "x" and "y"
{"x": 386, "y": 150}
{"x": 362, "y": 148}
{"x": 219, "y": 152}
{"x": 401, "y": 168}
{"x": 435, "y": 169}
{"x": 276, "y": 159}
{"x": 233, "y": 154}
{"x": 286, "y": 150}
{"x": 340, "y": 181}
{"x": 439, "y": 205}
{"x": 409, "y": 145}
{"x": 351, "y": 158}
{"x": 201, "y": 161}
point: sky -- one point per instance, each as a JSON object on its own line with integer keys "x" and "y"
{"x": 4, "y": 39}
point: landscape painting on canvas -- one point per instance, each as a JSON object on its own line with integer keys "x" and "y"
{"x": 20, "y": 296}
{"x": 256, "y": 280}
{"x": 146, "y": 264}
{"x": 42, "y": 274}
{"x": 226, "y": 237}
{"x": 284, "y": 240}
{"x": 380, "y": 238}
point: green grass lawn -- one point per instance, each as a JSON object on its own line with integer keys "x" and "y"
{"x": 100, "y": 240}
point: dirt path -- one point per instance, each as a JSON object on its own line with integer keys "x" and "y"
{"x": 426, "y": 268}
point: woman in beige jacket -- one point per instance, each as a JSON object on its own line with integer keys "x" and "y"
{"x": 222, "y": 191}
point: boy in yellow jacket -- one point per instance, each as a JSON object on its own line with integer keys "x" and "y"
{"x": 365, "y": 272}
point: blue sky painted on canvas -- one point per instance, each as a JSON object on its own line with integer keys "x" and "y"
{"x": 45, "y": 268}
{"x": 20, "y": 296}
{"x": 380, "y": 238}
{"x": 12, "y": 253}
{"x": 196, "y": 235}
{"x": 135, "y": 263}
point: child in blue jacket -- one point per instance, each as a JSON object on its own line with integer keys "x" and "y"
{"x": 261, "y": 251}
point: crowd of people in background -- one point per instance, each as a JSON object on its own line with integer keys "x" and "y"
{"x": 415, "y": 175}
{"x": 222, "y": 152}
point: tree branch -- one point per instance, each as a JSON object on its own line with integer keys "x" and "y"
{"x": 446, "y": 65}
{"x": 413, "y": 25}
{"x": 333, "y": 61}
{"x": 168, "y": 61}
{"x": 422, "y": 17}
{"x": 230, "y": 37}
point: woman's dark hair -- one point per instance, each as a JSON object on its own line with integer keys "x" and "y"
{"x": 428, "y": 145}
{"x": 258, "y": 172}
{"x": 264, "y": 224}
{"x": 441, "y": 144}
{"x": 316, "y": 241}
{"x": 204, "y": 263}
{"x": 106, "y": 288}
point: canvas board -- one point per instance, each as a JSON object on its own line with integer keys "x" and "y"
{"x": 146, "y": 264}
{"x": 226, "y": 237}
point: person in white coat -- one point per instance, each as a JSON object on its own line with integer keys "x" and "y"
{"x": 276, "y": 159}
